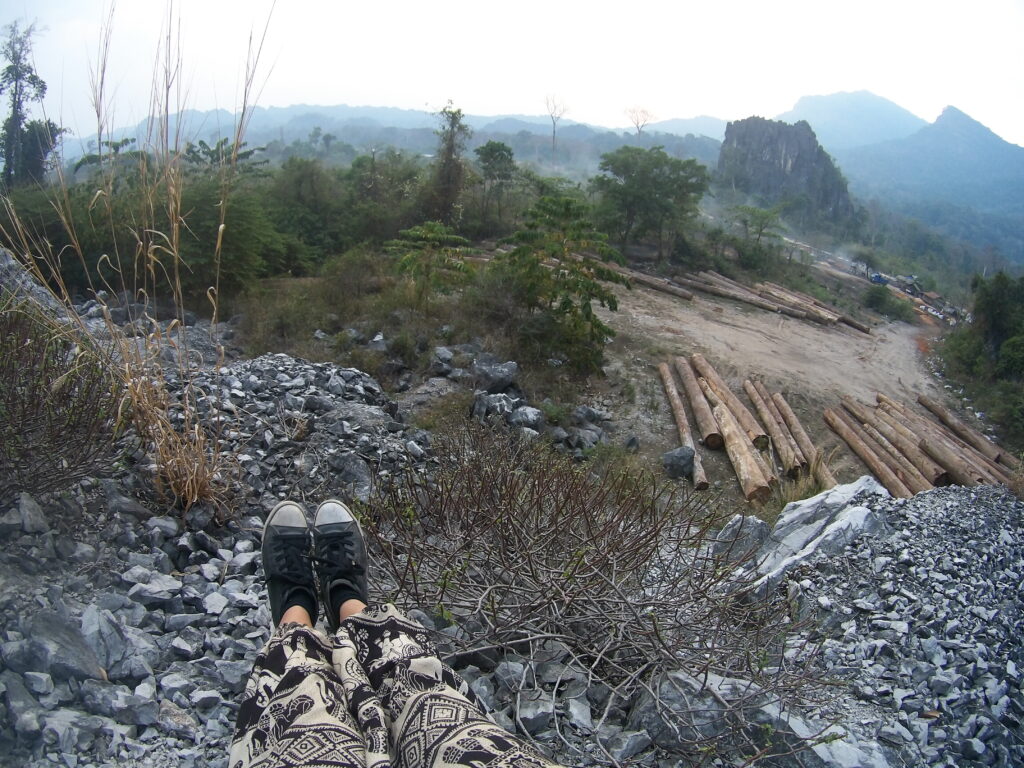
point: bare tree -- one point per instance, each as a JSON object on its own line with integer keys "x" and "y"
{"x": 640, "y": 117}
{"x": 556, "y": 109}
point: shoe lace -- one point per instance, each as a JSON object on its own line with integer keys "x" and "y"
{"x": 292, "y": 560}
{"x": 335, "y": 553}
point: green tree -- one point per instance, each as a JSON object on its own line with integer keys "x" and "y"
{"x": 498, "y": 166}
{"x": 431, "y": 254}
{"x": 646, "y": 191}
{"x": 19, "y": 81}
{"x": 759, "y": 223}
{"x": 557, "y": 271}
{"x": 449, "y": 171}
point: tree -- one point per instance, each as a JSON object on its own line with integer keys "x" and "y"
{"x": 647, "y": 190}
{"x": 639, "y": 117}
{"x": 759, "y": 223}
{"x": 556, "y": 272}
{"x": 19, "y": 80}
{"x": 498, "y": 165}
{"x": 431, "y": 254}
{"x": 556, "y": 109}
{"x": 449, "y": 172}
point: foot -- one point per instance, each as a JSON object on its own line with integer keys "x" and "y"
{"x": 339, "y": 555}
{"x": 286, "y": 561}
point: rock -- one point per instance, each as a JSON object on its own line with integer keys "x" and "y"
{"x": 67, "y": 653}
{"x": 741, "y": 536}
{"x": 353, "y": 475}
{"x": 536, "y": 708}
{"x": 105, "y": 636}
{"x": 627, "y": 744}
{"x": 160, "y": 589}
{"x": 492, "y": 376}
{"x": 175, "y": 721}
{"x": 526, "y": 416}
{"x": 38, "y": 683}
{"x": 119, "y": 703}
{"x": 205, "y": 699}
{"x": 23, "y": 709}
{"x": 215, "y": 603}
{"x": 32, "y": 518}
{"x": 678, "y": 463}
{"x": 578, "y": 712}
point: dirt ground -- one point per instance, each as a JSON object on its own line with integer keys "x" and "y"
{"x": 811, "y": 364}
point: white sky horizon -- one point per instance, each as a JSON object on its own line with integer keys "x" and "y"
{"x": 679, "y": 59}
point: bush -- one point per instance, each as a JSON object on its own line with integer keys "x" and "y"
{"x": 58, "y": 403}
{"x": 531, "y": 552}
{"x": 880, "y": 299}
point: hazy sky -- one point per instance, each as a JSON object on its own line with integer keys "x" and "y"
{"x": 726, "y": 58}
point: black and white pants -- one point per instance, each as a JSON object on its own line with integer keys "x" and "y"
{"x": 374, "y": 695}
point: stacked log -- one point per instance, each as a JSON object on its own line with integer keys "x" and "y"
{"x": 918, "y": 452}
{"x": 817, "y": 462}
{"x": 788, "y": 458}
{"x": 782, "y": 296}
{"x": 742, "y": 455}
{"x": 762, "y": 390}
{"x": 754, "y": 431}
{"x": 700, "y": 479}
{"x": 657, "y": 283}
{"x": 710, "y": 436}
{"x": 728, "y": 293}
{"x": 867, "y": 453}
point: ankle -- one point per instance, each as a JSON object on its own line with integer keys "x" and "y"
{"x": 351, "y": 608}
{"x": 296, "y": 614}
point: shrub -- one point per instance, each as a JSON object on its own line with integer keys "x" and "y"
{"x": 530, "y": 551}
{"x": 58, "y": 403}
{"x": 880, "y": 299}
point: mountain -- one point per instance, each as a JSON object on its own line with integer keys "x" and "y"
{"x": 954, "y": 174}
{"x": 843, "y": 120}
{"x": 781, "y": 163}
{"x": 702, "y": 125}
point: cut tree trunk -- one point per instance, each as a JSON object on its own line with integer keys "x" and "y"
{"x": 790, "y": 463}
{"x": 907, "y": 445}
{"x": 910, "y": 475}
{"x": 959, "y": 470}
{"x": 970, "y": 436}
{"x": 766, "y": 396}
{"x": 878, "y": 468}
{"x": 824, "y": 476}
{"x": 658, "y": 284}
{"x": 752, "y": 481}
{"x": 745, "y": 418}
{"x": 700, "y": 479}
{"x": 706, "y": 424}
{"x": 913, "y": 480}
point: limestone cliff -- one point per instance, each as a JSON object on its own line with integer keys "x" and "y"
{"x": 778, "y": 162}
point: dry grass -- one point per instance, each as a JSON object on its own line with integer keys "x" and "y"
{"x": 146, "y": 268}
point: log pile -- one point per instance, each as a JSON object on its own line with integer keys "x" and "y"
{"x": 909, "y": 452}
{"x": 723, "y": 421}
{"x": 770, "y": 297}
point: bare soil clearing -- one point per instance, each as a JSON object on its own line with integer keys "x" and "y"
{"x": 813, "y": 365}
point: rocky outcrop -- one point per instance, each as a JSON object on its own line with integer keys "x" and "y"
{"x": 777, "y": 162}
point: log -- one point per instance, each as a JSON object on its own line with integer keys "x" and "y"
{"x": 910, "y": 475}
{"x": 913, "y": 480}
{"x": 762, "y": 390}
{"x": 745, "y": 418}
{"x": 958, "y": 470}
{"x": 658, "y": 284}
{"x": 817, "y": 462}
{"x": 706, "y": 424}
{"x": 857, "y": 324}
{"x": 970, "y": 436}
{"x": 813, "y": 312}
{"x": 700, "y": 479}
{"x": 762, "y": 465}
{"x": 982, "y": 468}
{"x": 878, "y": 468}
{"x": 907, "y": 445}
{"x": 727, "y": 293}
{"x": 752, "y": 481}
{"x": 790, "y": 463}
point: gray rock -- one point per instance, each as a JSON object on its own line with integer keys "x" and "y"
{"x": 68, "y": 654}
{"x": 579, "y": 715}
{"x": 627, "y": 744}
{"x": 527, "y": 416}
{"x": 38, "y": 683}
{"x": 119, "y": 703}
{"x": 32, "y": 518}
{"x": 678, "y": 463}
{"x": 175, "y": 721}
{"x": 353, "y": 474}
{"x": 536, "y": 708}
{"x": 159, "y": 590}
{"x": 493, "y": 376}
{"x": 741, "y": 537}
{"x": 205, "y": 699}
{"x": 23, "y": 709}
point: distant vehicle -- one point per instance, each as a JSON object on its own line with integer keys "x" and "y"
{"x": 879, "y": 278}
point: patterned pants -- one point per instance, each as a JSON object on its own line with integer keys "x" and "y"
{"x": 373, "y": 696}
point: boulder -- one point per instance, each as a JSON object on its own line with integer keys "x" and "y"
{"x": 678, "y": 462}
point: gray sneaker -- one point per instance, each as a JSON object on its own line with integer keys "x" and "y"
{"x": 339, "y": 556}
{"x": 286, "y": 561}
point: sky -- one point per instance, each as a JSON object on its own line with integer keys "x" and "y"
{"x": 675, "y": 58}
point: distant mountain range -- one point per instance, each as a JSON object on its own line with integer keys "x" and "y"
{"x": 954, "y": 174}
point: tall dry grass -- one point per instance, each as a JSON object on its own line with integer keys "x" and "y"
{"x": 146, "y": 268}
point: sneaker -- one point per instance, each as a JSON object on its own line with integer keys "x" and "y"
{"x": 339, "y": 556}
{"x": 286, "y": 561}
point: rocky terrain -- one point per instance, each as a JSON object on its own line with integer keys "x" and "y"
{"x": 127, "y": 632}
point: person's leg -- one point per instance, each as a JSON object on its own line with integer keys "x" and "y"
{"x": 433, "y": 717}
{"x": 295, "y": 709}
